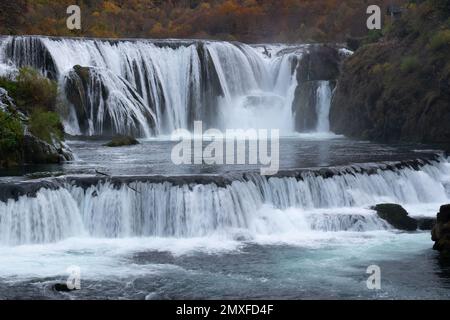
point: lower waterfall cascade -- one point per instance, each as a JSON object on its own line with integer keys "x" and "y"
{"x": 253, "y": 205}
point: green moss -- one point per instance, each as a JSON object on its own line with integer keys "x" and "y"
{"x": 409, "y": 64}
{"x": 396, "y": 89}
{"x": 381, "y": 68}
{"x": 9, "y": 85}
{"x": 373, "y": 36}
{"x": 46, "y": 125}
{"x": 440, "y": 40}
{"x": 11, "y": 139}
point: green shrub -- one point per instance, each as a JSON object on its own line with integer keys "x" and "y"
{"x": 440, "y": 40}
{"x": 35, "y": 91}
{"x": 409, "y": 64}
{"x": 9, "y": 85}
{"x": 11, "y": 139}
{"x": 381, "y": 68}
{"x": 46, "y": 125}
{"x": 373, "y": 36}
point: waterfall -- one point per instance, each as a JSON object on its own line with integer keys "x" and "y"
{"x": 254, "y": 204}
{"x": 323, "y": 105}
{"x": 159, "y": 86}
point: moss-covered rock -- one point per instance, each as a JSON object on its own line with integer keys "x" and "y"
{"x": 120, "y": 141}
{"x": 39, "y": 151}
{"x": 396, "y": 216}
{"x": 30, "y": 129}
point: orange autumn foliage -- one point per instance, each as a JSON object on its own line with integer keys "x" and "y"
{"x": 243, "y": 20}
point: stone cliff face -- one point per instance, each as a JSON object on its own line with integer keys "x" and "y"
{"x": 319, "y": 63}
{"x": 441, "y": 231}
{"x": 398, "y": 89}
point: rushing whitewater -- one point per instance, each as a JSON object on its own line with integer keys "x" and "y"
{"x": 151, "y": 88}
{"x": 323, "y": 105}
{"x": 246, "y": 207}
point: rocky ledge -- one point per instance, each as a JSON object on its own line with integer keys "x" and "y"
{"x": 441, "y": 231}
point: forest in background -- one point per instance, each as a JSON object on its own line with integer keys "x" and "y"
{"x": 249, "y": 21}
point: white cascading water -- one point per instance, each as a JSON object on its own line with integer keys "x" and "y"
{"x": 129, "y": 108}
{"x": 255, "y": 206}
{"x": 5, "y": 68}
{"x": 173, "y": 79}
{"x": 323, "y": 106}
{"x": 264, "y": 106}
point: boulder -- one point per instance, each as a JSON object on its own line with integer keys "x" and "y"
{"x": 37, "y": 151}
{"x": 77, "y": 85}
{"x": 62, "y": 287}
{"x": 99, "y": 109}
{"x": 396, "y": 216}
{"x": 120, "y": 141}
{"x": 305, "y": 106}
{"x": 426, "y": 224}
{"x": 319, "y": 63}
{"x": 441, "y": 231}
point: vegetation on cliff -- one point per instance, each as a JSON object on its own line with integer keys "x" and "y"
{"x": 30, "y": 127}
{"x": 398, "y": 88}
{"x": 11, "y": 139}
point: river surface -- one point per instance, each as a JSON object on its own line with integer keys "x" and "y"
{"x": 283, "y": 252}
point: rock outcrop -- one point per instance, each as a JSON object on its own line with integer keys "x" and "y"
{"x": 37, "y": 151}
{"x": 319, "y": 63}
{"x": 396, "y": 216}
{"x": 100, "y": 109}
{"x": 441, "y": 231}
{"x": 398, "y": 89}
{"x": 120, "y": 141}
{"x": 425, "y": 223}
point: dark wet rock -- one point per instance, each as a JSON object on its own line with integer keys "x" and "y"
{"x": 425, "y": 224}
{"x": 441, "y": 231}
{"x": 121, "y": 141}
{"x": 305, "y": 107}
{"x": 14, "y": 190}
{"x": 36, "y": 151}
{"x": 77, "y": 85}
{"x": 119, "y": 181}
{"x": 41, "y": 175}
{"x": 396, "y": 216}
{"x": 30, "y": 51}
{"x": 62, "y": 287}
{"x": 87, "y": 91}
{"x": 354, "y": 43}
{"x": 318, "y": 63}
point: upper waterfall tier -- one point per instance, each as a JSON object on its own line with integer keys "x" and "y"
{"x": 147, "y": 87}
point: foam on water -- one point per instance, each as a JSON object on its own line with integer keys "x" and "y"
{"x": 253, "y": 206}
